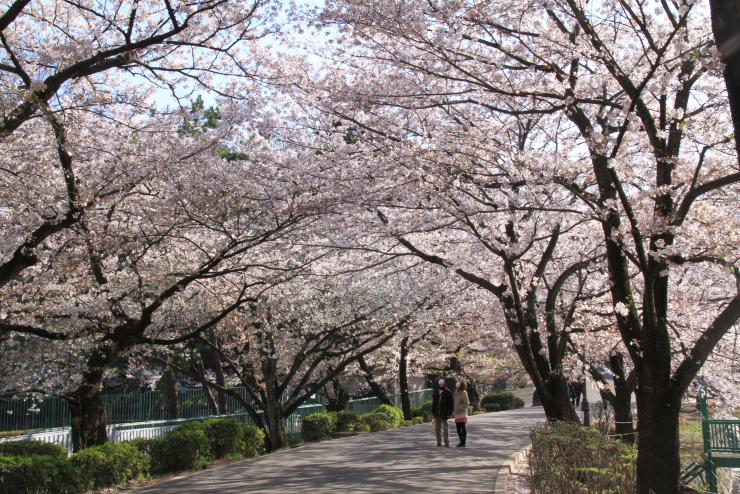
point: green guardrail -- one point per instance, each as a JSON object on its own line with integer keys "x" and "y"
{"x": 721, "y": 443}
{"x": 49, "y": 412}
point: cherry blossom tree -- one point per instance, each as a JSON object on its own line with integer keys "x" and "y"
{"x": 290, "y": 343}
{"x": 57, "y": 56}
{"x": 725, "y": 15}
{"x": 635, "y": 122}
{"x": 178, "y": 238}
{"x": 478, "y": 213}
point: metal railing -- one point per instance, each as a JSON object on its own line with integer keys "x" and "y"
{"x": 128, "y": 431}
{"x": 48, "y": 412}
{"x": 724, "y": 435}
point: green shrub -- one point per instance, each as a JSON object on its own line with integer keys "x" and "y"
{"x": 424, "y": 411}
{"x": 407, "y": 423}
{"x": 110, "y": 464}
{"x": 571, "y": 458}
{"x": 195, "y": 425}
{"x": 417, "y": 420}
{"x": 185, "y": 448}
{"x": 421, "y": 414}
{"x": 224, "y": 436}
{"x": 318, "y": 426}
{"x": 378, "y": 421}
{"x": 31, "y": 448}
{"x": 145, "y": 445}
{"x": 395, "y": 414}
{"x": 347, "y": 421}
{"x": 38, "y": 474}
{"x": 362, "y": 425}
{"x": 503, "y": 399}
{"x": 252, "y": 441}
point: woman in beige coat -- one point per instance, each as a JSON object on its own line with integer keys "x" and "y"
{"x": 460, "y": 402}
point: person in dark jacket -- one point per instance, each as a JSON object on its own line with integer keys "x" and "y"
{"x": 442, "y": 406}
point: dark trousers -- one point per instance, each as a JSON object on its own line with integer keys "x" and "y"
{"x": 462, "y": 433}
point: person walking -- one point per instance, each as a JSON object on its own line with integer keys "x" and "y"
{"x": 442, "y": 406}
{"x": 461, "y": 402}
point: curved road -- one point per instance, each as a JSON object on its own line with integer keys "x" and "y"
{"x": 404, "y": 460}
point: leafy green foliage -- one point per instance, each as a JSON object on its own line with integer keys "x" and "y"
{"x": 31, "y": 448}
{"x": 252, "y": 441}
{"x": 347, "y": 421}
{"x": 571, "y": 458}
{"x": 110, "y": 464}
{"x": 185, "y": 448}
{"x": 424, "y": 411}
{"x": 38, "y": 474}
{"x": 318, "y": 426}
{"x": 394, "y": 414}
{"x": 378, "y": 421}
{"x": 145, "y": 445}
{"x": 500, "y": 400}
{"x": 417, "y": 420}
{"x": 224, "y": 436}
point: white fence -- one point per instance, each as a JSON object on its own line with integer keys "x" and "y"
{"x": 63, "y": 437}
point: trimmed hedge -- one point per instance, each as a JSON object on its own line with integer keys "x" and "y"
{"x": 424, "y": 411}
{"x": 185, "y": 448}
{"x": 145, "y": 445}
{"x": 500, "y": 400}
{"x": 378, "y": 421}
{"x": 195, "y": 425}
{"x": 31, "y": 448}
{"x": 252, "y": 441}
{"x": 571, "y": 458}
{"x": 224, "y": 436}
{"x": 41, "y": 468}
{"x": 318, "y": 426}
{"x": 110, "y": 464}
{"x": 394, "y": 414}
{"x": 38, "y": 474}
{"x": 347, "y": 421}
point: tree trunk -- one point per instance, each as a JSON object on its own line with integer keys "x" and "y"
{"x": 622, "y": 402}
{"x": 658, "y": 461}
{"x": 726, "y": 27}
{"x": 212, "y": 360}
{"x": 376, "y": 388}
{"x": 403, "y": 379}
{"x": 199, "y": 370}
{"x": 550, "y": 384}
{"x": 88, "y": 414}
{"x": 277, "y": 437}
{"x": 474, "y": 396}
{"x": 555, "y": 400}
{"x": 221, "y": 381}
{"x": 168, "y": 387}
{"x": 338, "y": 398}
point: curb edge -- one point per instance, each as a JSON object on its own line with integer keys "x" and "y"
{"x": 504, "y": 471}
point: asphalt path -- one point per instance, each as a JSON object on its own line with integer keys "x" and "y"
{"x": 404, "y": 460}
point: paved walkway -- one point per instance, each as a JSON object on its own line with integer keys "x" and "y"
{"x": 404, "y": 460}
